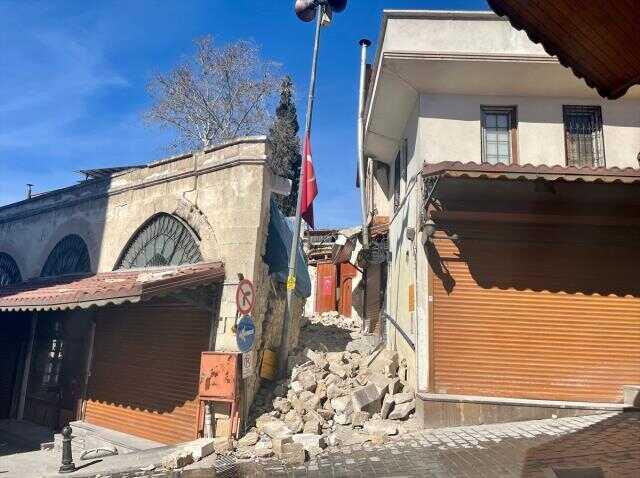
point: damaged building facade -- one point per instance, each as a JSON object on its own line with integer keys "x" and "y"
{"x": 111, "y": 289}
{"x": 511, "y": 191}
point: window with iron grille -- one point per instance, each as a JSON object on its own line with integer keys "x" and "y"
{"x": 9, "y": 272}
{"x": 499, "y": 140}
{"x": 164, "y": 240}
{"x": 69, "y": 256}
{"x": 584, "y": 141}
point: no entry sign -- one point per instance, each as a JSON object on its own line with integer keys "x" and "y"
{"x": 245, "y": 296}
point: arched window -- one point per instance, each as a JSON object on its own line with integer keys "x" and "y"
{"x": 9, "y": 272}
{"x": 70, "y": 256}
{"x": 161, "y": 241}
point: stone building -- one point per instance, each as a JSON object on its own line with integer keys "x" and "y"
{"x": 110, "y": 290}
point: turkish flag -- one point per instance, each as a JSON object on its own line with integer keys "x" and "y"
{"x": 309, "y": 185}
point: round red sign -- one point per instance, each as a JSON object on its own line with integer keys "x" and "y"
{"x": 245, "y": 296}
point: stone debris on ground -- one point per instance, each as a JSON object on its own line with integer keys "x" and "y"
{"x": 343, "y": 388}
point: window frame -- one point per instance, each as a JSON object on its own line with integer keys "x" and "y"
{"x": 397, "y": 173}
{"x": 597, "y": 109}
{"x": 512, "y": 110}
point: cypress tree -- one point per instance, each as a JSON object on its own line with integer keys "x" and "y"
{"x": 286, "y": 158}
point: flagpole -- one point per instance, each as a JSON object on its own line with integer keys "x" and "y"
{"x": 293, "y": 256}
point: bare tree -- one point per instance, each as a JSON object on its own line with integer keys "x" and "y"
{"x": 219, "y": 94}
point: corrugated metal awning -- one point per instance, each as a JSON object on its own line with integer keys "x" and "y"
{"x": 530, "y": 172}
{"x": 107, "y": 288}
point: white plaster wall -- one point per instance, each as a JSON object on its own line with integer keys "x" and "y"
{"x": 473, "y": 32}
{"x": 451, "y": 130}
{"x": 402, "y": 271}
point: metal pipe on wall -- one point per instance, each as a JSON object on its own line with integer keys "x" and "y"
{"x": 364, "y": 45}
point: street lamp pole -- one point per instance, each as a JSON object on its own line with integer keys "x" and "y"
{"x": 293, "y": 256}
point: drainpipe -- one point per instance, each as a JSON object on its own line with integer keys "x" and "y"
{"x": 362, "y": 161}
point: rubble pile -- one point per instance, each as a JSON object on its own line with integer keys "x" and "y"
{"x": 331, "y": 398}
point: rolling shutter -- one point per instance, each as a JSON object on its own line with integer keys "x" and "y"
{"x": 536, "y": 320}
{"x": 146, "y": 365}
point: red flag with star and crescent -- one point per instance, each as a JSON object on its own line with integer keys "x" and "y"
{"x": 309, "y": 186}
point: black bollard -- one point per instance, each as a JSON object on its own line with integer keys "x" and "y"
{"x": 67, "y": 458}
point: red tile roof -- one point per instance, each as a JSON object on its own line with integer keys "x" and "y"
{"x": 107, "y": 288}
{"x": 532, "y": 172}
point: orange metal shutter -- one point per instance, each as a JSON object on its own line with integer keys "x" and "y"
{"x": 326, "y": 287}
{"x": 508, "y": 323}
{"x": 145, "y": 372}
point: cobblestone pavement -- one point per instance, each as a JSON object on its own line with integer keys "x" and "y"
{"x": 596, "y": 445}
{"x": 581, "y": 447}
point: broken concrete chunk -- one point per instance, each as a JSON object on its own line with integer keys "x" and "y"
{"x": 342, "y": 404}
{"x": 358, "y": 419}
{"x": 263, "y": 452}
{"x": 399, "y": 398}
{"x": 387, "y": 406}
{"x": 308, "y": 381}
{"x": 381, "y": 426}
{"x": 342, "y": 418}
{"x": 294, "y": 422}
{"x": 338, "y": 369}
{"x": 333, "y": 391}
{"x": 309, "y": 440}
{"x": 334, "y": 357}
{"x": 283, "y": 405}
{"x": 367, "y": 398}
{"x": 278, "y": 443}
{"x": 385, "y": 362}
{"x": 223, "y": 445}
{"x": 312, "y": 426}
{"x": 402, "y": 411}
{"x": 177, "y": 460}
{"x": 326, "y": 414}
{"x": 273, "y": 427}
{"x": 293, "y": 454}
{"x": 347, "y": 437}
{"x": 395, "y": 386}
{"x": 249, "y": 439}
{"x": 199, "y": 448}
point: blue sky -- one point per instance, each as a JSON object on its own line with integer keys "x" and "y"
{"x": 73, "y": 76}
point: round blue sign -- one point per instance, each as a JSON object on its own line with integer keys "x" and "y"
{"x": 245, "y": 334}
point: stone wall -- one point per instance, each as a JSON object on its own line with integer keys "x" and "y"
{"x": 222, "y": 193}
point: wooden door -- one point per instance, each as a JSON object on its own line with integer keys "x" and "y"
{"x": 326, "y": 283}
{"x": 347, "y": 273}
{"x": 57, "y": 370}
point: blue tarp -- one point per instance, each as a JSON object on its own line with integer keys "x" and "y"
{"x": 277, "y": 254}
